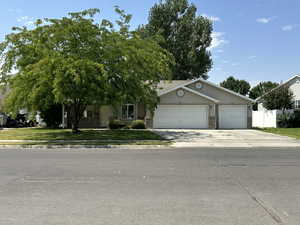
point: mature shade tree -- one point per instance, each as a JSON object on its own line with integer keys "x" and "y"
{"x": 281, "y": 98}
{"x": 76, "y": 61}
{"x": 186, "y": 35}
{"x": 261, "y": 89}
{"x": 239, "y": 86}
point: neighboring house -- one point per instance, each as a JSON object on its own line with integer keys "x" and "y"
{"x": 196, "y": 104}
{"x": 293, "y": 84}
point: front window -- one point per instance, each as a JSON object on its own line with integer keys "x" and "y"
{"x": 128, "y": 112}
{"x": 297, "y": 104}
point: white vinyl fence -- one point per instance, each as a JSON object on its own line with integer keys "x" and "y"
{"x": 266, "y": 118}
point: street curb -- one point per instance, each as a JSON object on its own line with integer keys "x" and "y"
{"x": 142, "y": 147}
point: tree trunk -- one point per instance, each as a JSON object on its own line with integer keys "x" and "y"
{"x": 77, "y": 112}
{"x": 75, "y": 127}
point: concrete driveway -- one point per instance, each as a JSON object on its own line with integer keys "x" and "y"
{"x": 226, "y": 138}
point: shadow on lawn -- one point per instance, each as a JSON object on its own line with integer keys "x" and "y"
{"x": 84, "y": 134}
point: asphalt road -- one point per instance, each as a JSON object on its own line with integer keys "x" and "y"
{"x": 141, "y": 187}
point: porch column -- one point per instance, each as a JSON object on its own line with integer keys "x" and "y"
{"x": 136, "y": 106}
{"x": 212, "y": 116}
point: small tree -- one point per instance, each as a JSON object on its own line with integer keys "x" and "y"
{"x": 281, "y": 98}
{"x": 239, "y": 86}
{"x": 76, "y": 62}
{"x": 261, "y": 89}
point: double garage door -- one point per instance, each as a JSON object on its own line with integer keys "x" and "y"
{"x": 181, "y": 116}
{"x": 196, "y": 116}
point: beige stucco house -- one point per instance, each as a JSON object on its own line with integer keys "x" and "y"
{"x": 195, "y": 104}
{"x": 293, "y": 84}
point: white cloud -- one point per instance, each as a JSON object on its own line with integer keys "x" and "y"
{"x": 26, "y": 20}
{"x": 252, "y": 57}
{"x": 212, "y": 18}
{"x": 253, "y": 83}
{"x": 15, "y": 11}
{"x": 217, "y": 40}
{"x": 264, "y": 20}
{"x": 29, "y": 23}
{"x": 289, "y": 27}
{"x": 22, "y": 19}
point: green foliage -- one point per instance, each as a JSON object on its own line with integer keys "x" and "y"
{"x": 289, "y": 120}
{"x": 2, "y": 93}
{"x": 116, "y": 124}
{"x": 184, "y": 34}
{"x": 239, "y": 86}
{"x": 77, "y": 62}
{"x": 52, "y": 116}
{"x": 138, "y": 124}
{"x": 281, "y": 98}
{"x": 261, "y": 89}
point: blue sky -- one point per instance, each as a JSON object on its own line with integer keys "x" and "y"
{"x": 255, "y": 40}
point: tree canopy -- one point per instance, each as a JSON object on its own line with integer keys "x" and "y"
{"x": 186, "y": 35}
{"x": 281, "y": 98}
{"x": 77, "y": 61}
{"x": 239, "y": 86}
{"x": 262, "y": 88}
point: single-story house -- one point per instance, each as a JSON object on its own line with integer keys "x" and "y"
{"x": 294, "y": 85}
{"x": 195, "y": 104}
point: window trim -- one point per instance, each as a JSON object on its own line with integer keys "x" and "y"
{"x": 127, "y": 111}
{"x": 297, "y": 104}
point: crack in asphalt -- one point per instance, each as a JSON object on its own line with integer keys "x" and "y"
{"x": 271, "y": 212}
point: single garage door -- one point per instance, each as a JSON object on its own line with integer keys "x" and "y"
{"x": 233, "y": 116}
{"x": 181, "y": 116}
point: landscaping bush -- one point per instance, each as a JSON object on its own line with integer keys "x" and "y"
{"x": 116, "y": 124}
{"x": 138, "y": 124}
{"x": 297, "y": 119}
{"x": 289, "y": 120}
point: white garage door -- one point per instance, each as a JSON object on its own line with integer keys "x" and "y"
{"x": 181, "y": 116}
{"x": 232, "y": 116}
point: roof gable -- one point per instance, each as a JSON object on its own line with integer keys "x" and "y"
{"x": 200, "y": 94}
{"x": 185, "y": 83}
{"x": 288, "y": 82}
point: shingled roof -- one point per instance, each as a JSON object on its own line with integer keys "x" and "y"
{"x": 166, "y": 85}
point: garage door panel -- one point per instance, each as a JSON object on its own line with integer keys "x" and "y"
{"x": 233, "y": 116}
{"x": 181, "y": 116}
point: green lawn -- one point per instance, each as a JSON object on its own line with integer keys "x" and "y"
{"x": 98, "y": 136}
{"x": 290, "y": 132}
